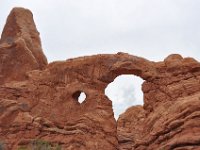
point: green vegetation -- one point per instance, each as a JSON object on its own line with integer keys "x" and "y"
{"x": 40, "y": 145}
{"x": 22, "y": 148}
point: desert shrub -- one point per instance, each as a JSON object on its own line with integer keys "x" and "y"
{"x": 40, "y": 145}
{"x": 57, "y": 147}
{"x": 22, "y": 148}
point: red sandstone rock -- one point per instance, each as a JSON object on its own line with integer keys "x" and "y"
{"x": 170, "y": 117}
{"x": 40, "y": 101}
{"x": 20, "y": 47}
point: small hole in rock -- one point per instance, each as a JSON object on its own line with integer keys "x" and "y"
{"x": 79, "y": 96}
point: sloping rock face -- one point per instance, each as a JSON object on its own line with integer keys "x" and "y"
{"x": 40, "y": 100}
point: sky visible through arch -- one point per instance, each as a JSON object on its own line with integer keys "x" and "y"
{"x": 148, "y": 28}
{"x": 125, "y": 91}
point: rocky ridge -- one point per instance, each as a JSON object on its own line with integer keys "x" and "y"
{"x": 40, "y": 100}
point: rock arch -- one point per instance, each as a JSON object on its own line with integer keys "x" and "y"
{"x": 39, "y": 99}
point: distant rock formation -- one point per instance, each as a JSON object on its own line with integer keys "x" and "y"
{"x": 40, "y": 100}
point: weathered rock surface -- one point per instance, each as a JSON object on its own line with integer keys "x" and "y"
{"x": 170, "y": 118}
{"x": 40, "y": 100}
{"x": 20, "y": 47}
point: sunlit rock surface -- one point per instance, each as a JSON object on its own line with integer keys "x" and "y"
{"x": 40, "y": 100}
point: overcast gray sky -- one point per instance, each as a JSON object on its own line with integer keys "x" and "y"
{"x": 149, "y": 28}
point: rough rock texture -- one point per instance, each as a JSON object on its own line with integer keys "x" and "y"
{"x": 170, "y": 118}
{"x": 40, "y": 101}
{"x": 20, "y": 47}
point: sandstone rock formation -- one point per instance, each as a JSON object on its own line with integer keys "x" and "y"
{"x": 170, "y": 116}
{"x": 40, "y": 100}
{"x": 20, "y": 47}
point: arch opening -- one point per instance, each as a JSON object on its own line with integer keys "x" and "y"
{"x": 79, "y": 96}
{"x": 125, "y": 91}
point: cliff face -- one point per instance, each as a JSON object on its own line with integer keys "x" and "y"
{"x": 40, "y": 100}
